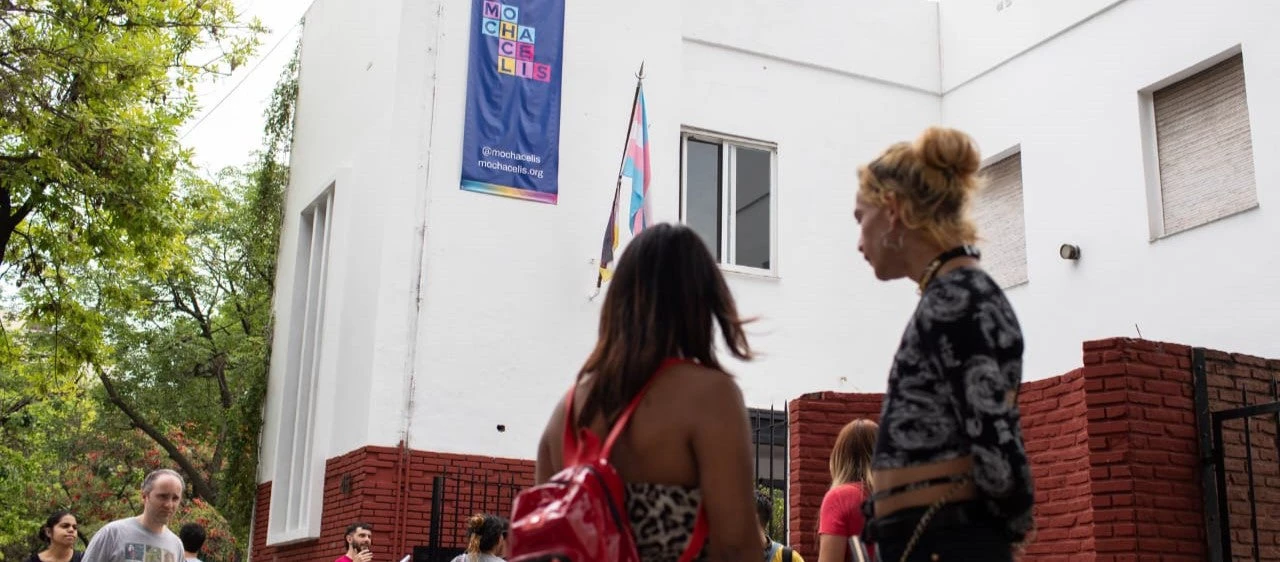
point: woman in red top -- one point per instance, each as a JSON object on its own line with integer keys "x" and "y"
{"x": 841, "y": 517}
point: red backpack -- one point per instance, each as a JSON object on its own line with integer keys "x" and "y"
{"x": 580, "y": 515}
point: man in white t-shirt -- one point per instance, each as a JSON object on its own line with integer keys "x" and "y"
{"x": 145, "y": 538}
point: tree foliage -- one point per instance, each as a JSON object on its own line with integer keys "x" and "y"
{"x": 136, "y": 292}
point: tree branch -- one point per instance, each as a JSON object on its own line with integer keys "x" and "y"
{"x": 199, "y": 484}
{"x": 16, "y": 407}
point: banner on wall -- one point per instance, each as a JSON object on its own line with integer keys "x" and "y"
{"x": 511, "y": 140}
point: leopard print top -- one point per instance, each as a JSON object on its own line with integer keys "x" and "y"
{"x": 662, "y": 518}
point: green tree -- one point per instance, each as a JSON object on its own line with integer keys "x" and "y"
{"x": 91, "y": 96}
{"x": 136, "y": 309}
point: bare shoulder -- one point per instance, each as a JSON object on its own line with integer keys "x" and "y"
{"x": 710, "y": 389}
{"x": 550, "y": 446}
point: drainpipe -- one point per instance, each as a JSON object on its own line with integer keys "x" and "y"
{"x": 417, "y": 287}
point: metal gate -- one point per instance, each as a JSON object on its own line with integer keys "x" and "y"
{"x": 769, "y": 438}
{"x": 455, "y": 497}
{"x": 1214, "y": 473}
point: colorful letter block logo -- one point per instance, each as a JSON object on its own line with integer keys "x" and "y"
{"x": 516, "y": 51}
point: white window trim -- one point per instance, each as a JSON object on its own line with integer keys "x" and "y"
{"x": 728, "y": 175}
{"x": 296, "y": 509}
{"x": 1151, "y": 149}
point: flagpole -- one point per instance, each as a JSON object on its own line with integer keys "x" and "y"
{"x": 635, "y": 98}
{"x": 617, "y": 189}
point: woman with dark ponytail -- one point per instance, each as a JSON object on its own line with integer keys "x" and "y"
{"x": 59, "y": 535}
{"x": 487, "y": 539}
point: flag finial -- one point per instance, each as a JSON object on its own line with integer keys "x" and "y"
{"x": 640, "y": 75}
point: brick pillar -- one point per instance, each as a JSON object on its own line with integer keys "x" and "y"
{"x": 815, "y": 421}
{"x": 1143, "y": 450}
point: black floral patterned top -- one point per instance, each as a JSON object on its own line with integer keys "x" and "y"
{"x": 953, "y": 392}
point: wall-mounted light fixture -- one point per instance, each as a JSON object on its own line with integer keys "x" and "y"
{"x": 1069, "y": 252}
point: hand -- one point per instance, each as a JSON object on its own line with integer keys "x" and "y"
{"x": 362, "y": 556}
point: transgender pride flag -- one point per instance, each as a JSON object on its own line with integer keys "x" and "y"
{"x": 635, "y": 164}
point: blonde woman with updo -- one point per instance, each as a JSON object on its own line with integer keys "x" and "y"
{"x": 950, "y": 472}
{"x": 486, "y": 539}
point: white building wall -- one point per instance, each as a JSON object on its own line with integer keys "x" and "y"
{"x": 977, "y": 35}
{"x": 479, "y": 303}
{"x": 360, "y": 120}
{"x": 506, "y": 318}
{"x": 1073, "y": 106}
{"x": 887, "y": 40}
{"x": 824, "y": 322}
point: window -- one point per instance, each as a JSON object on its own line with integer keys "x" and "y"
{"x": 727, "y": 197}
{"x": 1002, "y": 231}
{"x": 297, "y": 485}
{"x": 1203, "y": 149}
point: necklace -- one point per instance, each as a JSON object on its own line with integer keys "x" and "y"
{"x": 956, "y": 252}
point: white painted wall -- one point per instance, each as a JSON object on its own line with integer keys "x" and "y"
{"x": 1073, "y": 106}
{"x": 891, "y": 40}
{"x": 825, "y": 323}
{"x": 360, "y": 118}
{"x": 506, "y": 318}
{"x": 977, "y": 35}
{"x": 505, "y": 321}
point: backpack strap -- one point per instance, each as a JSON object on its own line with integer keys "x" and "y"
{"x": 570, "y": 439}
{"x": 699, "y": 538}
{"x": 788, "y": 555}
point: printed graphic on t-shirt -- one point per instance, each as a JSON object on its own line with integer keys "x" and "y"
{"x": 134, "y": 551}
{"x": 138, "y": 552}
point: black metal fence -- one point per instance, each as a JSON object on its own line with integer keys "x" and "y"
{"x": 1217, "y": 476}
{"x": 455, "y": 497}
{"x": 459, "y": 494}
{"x": 769, "y": 437}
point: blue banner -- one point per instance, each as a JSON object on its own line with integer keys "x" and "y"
{"x": 511, "y": 144}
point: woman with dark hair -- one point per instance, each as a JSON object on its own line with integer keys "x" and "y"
{"x": 950, "y": 472}
{"x": 688, "y": 445}
{"x": 59, "y": 535}
{"x": 486, "y": 539}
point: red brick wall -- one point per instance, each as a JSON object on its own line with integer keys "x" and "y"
{"x": 1113, "y": 447}
{"x": 815, "y": 421}
{"x": 1055, "y": 432}
{"x": 395, "y": 498}
{"x": 1143, "y": 446}
{"x": 1227, "y": 375}
{"x": 1114, "y": 451}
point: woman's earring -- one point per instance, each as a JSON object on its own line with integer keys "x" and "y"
{"x": 884, "y": 241}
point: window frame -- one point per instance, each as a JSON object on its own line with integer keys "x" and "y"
{"x": 1157, "y": 227}
{"x": 297, "y": 490}
{"x": 729, "y": 196}
{"x": 985, "y": 170}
